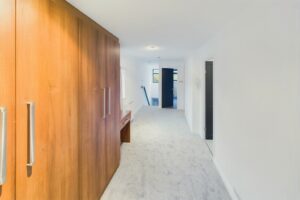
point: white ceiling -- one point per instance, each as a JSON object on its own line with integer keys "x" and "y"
{"x": 176, "y": 26}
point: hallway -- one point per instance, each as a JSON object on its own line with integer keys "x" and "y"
{"x": 165, "y": 161}
{"x": 77, "y": 79}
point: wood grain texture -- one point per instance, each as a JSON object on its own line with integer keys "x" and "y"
{"x": 47, "y": 74}
{"x": 7, "y": 90}
{"x": 102, "y": 123}
{"x": 92, "y": 123}
{"x": 113, "y": 108}
{"x": 125, "y": 126}
{"x": 85, "y": 18}
{"x": 99, "y": 118}
{"x": 125, "y": 133}
{"x": 66, "y": 64}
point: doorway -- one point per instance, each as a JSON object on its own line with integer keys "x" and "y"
{"x": 209, "y": 100}
{"x": 169, "y": 88}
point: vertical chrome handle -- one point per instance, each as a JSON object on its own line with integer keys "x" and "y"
{"x": 31, "y": 109}
{"x": 104, "y": 103}
{"x": 109, "y": 101}
{"x": 3, "y": 145}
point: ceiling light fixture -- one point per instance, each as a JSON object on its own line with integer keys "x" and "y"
{"x": 152, "y": 48}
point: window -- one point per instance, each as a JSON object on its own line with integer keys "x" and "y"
{"x": 155, "y": 76}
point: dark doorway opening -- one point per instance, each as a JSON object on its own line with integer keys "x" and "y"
{"x": 209, "y": 100}
{"x": 167, "y": 88}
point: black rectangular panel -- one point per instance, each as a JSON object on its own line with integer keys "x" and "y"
{"x": 209, "y": 100}
{"x": 167, "y": 88}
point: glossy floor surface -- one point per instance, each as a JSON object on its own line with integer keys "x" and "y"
{"x": 165, "y": 161}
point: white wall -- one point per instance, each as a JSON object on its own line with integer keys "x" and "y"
{"x": 194, "y": 102}
{"x": 256, "y": 101}
{"x": 155, "y": 88}
{"x": 135, "y": 76}
{"x": 138, "y": 72}
{"x": 152, "y": 87}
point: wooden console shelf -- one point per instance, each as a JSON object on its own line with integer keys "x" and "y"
{"x": 125, "y": 126}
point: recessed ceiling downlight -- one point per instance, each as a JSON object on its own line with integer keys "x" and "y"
{"x": 152, "y": 48}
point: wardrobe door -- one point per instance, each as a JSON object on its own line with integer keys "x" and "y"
{"x": 47, "y": 101}
{"x": 92, "y": 112}
{"x": 102, "y": 123}
{"x": 7, "y": 100}
{"x": 113, "y": 106}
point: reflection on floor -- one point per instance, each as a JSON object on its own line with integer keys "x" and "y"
{"x": 165, "y": 161}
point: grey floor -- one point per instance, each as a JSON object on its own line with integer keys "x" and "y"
{"x": 165, "y": 161}
{"x": 210, "y": 144}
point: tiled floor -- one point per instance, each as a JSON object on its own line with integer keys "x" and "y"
{"x": 165, "y": 161}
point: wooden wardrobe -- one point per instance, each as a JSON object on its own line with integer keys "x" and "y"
{"x": 59, "y": 102}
